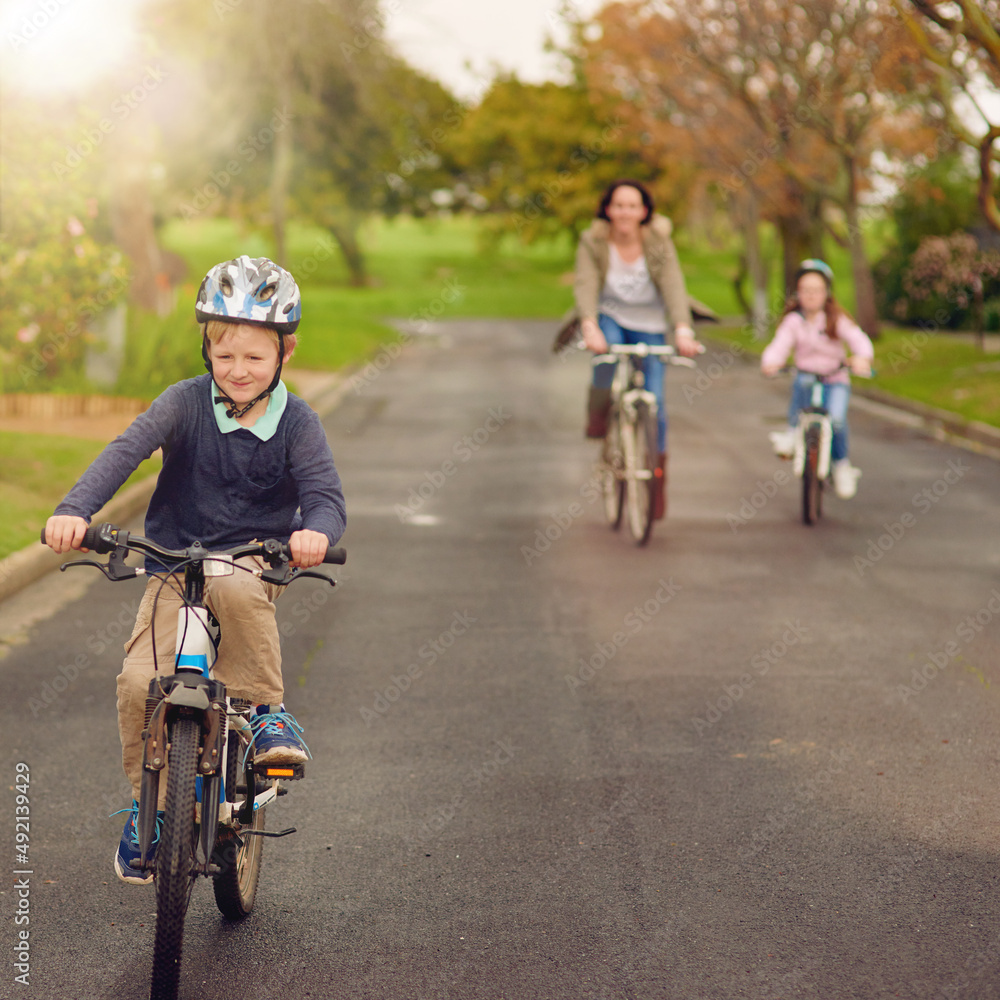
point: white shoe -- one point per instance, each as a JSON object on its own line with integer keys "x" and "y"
{"x": 783, "y": 442}
{"x": 845, "y": 479}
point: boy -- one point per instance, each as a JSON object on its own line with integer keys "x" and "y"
{"x": 242, "y": 459}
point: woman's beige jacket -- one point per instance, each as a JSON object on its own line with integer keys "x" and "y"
{"x": 661, "y": 259}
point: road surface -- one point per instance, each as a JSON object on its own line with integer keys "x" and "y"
{"x": 753, "y": 759}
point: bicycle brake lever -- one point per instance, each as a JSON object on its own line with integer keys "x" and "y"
{"x": 298, "y": 574}
{"x": 115, "y": 569}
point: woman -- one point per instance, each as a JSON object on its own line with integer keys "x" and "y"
{"x": 629, "y": 289}
{"x": 819, "y": 332}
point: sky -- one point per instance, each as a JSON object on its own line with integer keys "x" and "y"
{"x": 460, "y": 42}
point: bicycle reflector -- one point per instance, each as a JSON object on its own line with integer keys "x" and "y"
{"x": 290, "y": 771}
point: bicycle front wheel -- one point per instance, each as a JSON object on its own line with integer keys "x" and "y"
{"x": 640, "y": 466}
{"x": 812, "y": 486}
{"x": 237, "y": 856}
{"x": 612, "y": 481}
{"x": 174, "y": 857}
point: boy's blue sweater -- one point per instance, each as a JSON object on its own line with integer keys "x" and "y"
{"x": 220, "y": 489}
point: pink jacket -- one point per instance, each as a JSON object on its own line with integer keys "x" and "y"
{"x": 813, "y": 350}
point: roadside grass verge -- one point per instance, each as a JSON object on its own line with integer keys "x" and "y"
{"x": 36, "y": 472}
{"x": 943, "y": 370}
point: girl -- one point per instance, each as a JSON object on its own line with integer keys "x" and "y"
{"x": 819, "y": 333}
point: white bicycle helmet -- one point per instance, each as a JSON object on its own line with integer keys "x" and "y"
{"x": 255, "y": 291}
{"x": 251, "y": 290}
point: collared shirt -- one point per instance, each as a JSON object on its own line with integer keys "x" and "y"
{"x": 221, "y": 488}
{"x": 265, "y": 425}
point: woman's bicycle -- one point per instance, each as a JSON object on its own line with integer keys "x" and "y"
{"x": 629, "y": 470}
{"x": 216, "y": 795}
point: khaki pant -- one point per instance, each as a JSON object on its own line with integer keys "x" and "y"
{"x": 249, "y": 658}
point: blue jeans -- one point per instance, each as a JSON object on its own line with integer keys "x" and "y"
{"x": 836, "y": 396}
{"x": 652, "y": 369}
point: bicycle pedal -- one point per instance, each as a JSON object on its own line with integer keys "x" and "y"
{"x": 290, "y": 772}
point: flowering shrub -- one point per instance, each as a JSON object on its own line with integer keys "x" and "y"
{"x": 55, "y": 277}
{"x": 953, "y": 268}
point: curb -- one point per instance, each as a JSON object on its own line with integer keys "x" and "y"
{"x": 31, "y": 563}
{"x": 940, "y": 424}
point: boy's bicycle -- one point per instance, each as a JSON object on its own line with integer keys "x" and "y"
{"x": 629, "y": 468}
{"x": 216, "y": 796}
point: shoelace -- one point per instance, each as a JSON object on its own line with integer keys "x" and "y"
{"x": 272, "y": 724}
{"x": 134, "y": 835}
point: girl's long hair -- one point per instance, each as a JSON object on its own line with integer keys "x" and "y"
{"x": 833, "y": 310}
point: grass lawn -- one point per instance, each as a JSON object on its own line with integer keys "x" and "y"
{"x": 36, "y": 472}
{"x": 431, "y": 268}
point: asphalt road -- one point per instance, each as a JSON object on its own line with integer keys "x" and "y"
{"x": 753, "y": 759}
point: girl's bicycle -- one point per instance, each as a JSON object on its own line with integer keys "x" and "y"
{"x": 813, "y": 440}
{"x": 216, "y": 796}
{"x": 629, "y": 469}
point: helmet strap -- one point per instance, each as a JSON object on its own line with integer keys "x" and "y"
{"x": 233, "y": 409}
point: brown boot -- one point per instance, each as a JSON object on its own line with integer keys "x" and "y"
{"x": 598, "y": 405}
{"x": 660, "y": 488}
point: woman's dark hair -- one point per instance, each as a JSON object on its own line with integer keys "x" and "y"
{"x": 647, "y": 198}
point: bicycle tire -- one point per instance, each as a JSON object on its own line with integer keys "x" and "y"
{"x": 640, "y": 466}
{"x": 174, "y": 857}
{"x": 612, "y": 483}
{"x": 812, "y": 488}
{"x": 239, "y": 858}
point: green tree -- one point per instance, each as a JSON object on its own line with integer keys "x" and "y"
{"x": 960, "y": 40}
{"x": 310, "y": 120}
{"x": 539, "y": 156}
{"x": 935, "y": 198}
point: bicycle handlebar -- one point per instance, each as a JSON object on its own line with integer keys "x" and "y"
{"x": 642, "y": 350}
{"x": 843, "y": 366}
{"x": 104, "y": 538}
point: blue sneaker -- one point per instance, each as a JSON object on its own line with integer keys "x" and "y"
{"x": 276, "y": 738}
{"x": 128, "y": 849}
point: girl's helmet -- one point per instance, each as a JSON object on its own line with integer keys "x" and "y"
{"x": 251, "y": 290}
{"x": 815, "y": 266}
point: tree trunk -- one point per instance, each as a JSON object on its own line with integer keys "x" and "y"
{"x": 756, "y": 266}
{"x": 281, "y": 165}
{"x": 746, "y": 209}
{"x": 864, "y": 282}
{"x": 977, "y": 312}
{"x": 346, "y": 235}
{"x": 132, "y": 221}
{"x": 801, "y": 231}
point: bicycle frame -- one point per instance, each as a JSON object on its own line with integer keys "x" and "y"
{"x": 191, "y": 691}
{"x": 815, "y": 415}
{"x": 629, "y": 464}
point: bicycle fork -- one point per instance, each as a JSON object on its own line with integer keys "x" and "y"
{"x": 825, "y": 427}
{"x": 192, "y": 693}
{"x": 188, "y": 693}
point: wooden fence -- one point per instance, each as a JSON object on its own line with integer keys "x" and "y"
{"x": 48, "y": 406}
